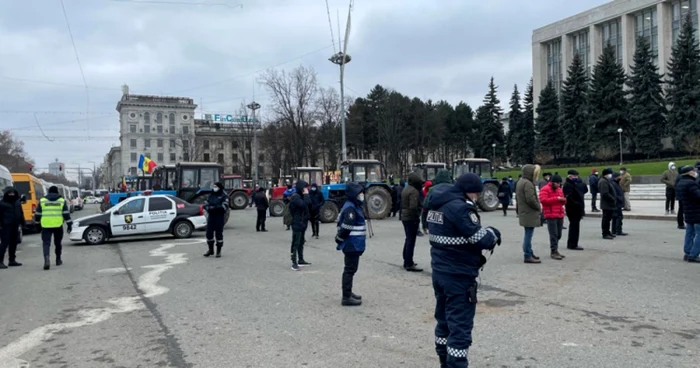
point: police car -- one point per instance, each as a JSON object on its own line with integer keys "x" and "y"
{"x": 141, "y": 215}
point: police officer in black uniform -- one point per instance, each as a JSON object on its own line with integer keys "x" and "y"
{"x": 457, "y": 240}
{"x": 216, "y": 206}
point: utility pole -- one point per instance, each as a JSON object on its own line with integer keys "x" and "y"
{"x": 341, "y": 58}
{"x": 255, "y": 106}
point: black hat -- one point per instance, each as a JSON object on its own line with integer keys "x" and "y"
{"x": 616, "y": 175}
{"x": 556, "y": 179}
{"x": 686, "y": 169}
{"x": 53, "y": 189}
{"x": 219, "y": 185}
{"x": 469, "y": 183}
{"x": 623, "y": 168}
{"x": 607, "y": 170}
{"x": 504, "y": 179}
{"x": 572, "y": 172}
{"x": 547, "y": 174}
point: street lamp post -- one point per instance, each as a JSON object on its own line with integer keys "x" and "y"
{"x": 94, "y": 176}
{"x": 619, "y": 133}
{"x": 341, "y": 59}
{"x": 493, "y": 156}
{"x": 255, "y": 106}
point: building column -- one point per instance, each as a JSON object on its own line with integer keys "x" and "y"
{"x": 595, "y": 42}
{"x": 567, "y": 54}
{"x": 539, "y": 70}
{"x": 664, "y": 19}
{"x": 627, "y": 25}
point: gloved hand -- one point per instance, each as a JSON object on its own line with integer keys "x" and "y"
{"x": 338, "y": 239}
{"x": 69, "y": 224}
{"x": 497, "y": 233}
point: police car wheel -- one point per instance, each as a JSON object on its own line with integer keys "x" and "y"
{"x": 183, "y": 229}
{"x": 95, "y": 235}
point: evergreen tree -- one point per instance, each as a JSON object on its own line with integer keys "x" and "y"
{"x": 647, "y": 107}
{"x": 608, "y": 103}
{"x": 464, "y": 116}
{"x": 515, "y": 123}
{"x": 683, "y": 88}
{"x": 574, "y": 111}
{"x": 492, "y": 129}
{"x": 481, "y": 121}
{"x": 527, "y": 136}
{"x": 549, "y": 136}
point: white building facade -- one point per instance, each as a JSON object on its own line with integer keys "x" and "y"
{"x": 619, "y": 23}
{"x": 56, "y": 168}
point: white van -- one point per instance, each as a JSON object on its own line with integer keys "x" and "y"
{"x": 76, "y": 198}
{"x": 5, "y": 178}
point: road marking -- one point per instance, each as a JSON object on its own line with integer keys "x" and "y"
{"x": 148, "y": 283}
{"x": 115, "y": 270}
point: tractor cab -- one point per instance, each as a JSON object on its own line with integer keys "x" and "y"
{"x": 194, "y": 180}
{"x": 164, "y": 178}
{"x": 309, "y": 174}
{"x": 428, "y": 170}
{"x": 363, "y": 171}
{"x": 488, "y": 199}
{"x": 372, "y": 175}
{"x": 239, "y": 195}
{"x": 232, "y": 182}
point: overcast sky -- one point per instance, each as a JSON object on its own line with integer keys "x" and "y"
{"x": 440, "y": 49}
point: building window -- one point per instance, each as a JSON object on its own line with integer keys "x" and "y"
{"x": 159, "y": 129}
{"x": 160, "y": 157}
{"x": 261, "y": 157}
{"x": 159, "y": 118}
{"x": 146, "y": 118}
{"x": 206, "y": 157}
{"x": 147, "y": 154}
{"x": 220, "y": 158}
{"x": 160, "y": 143}
{"x": 247, "y": 145}
{"x": 646, "y": 26}
{"x": 172, "y": 158}
{"x": 612, "y": 35}
{"x": 172, "y": 143}
{"x": 680, "y": 11}
{"x": 171, "y": 118}
{"x": 185, "y": 130}
{"x": 132, "y": 170}
{"x": 235, "y": 169}
{"x": 234, "y": 157}
{"x": 554, "y": 73}
{"x": 185, "y": 156}
{"x": 234, "y": 144}
{"x": 132, "y": 128}
{"x": 185, "y": 144}
{"x": 220, "y": 144}
{"x": 132, "y": 143}
{"x": 147, "y": 128}
{"x": 205, "y": 144}
{"x": 582, "y": 47}
{"x": 133, "y": 156}
{"x": 147, "y": 143}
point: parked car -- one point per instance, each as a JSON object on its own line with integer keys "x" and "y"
{"x": 92, "y": 199}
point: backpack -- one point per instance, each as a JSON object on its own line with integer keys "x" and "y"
{"x": 287, "y": 217}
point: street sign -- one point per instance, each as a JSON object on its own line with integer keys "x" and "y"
{"x": 228, "y": 118}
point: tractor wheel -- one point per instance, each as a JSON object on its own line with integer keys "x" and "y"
{"x": 239, "y": 200}
{"x": 378, "y": 202}
{"x": 329, "y": 212}
{"x": 488, "y": 200}
{"x": 276, "y": 208}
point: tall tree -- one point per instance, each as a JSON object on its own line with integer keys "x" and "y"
{"x": 608, "y": 103}
{"x": 528, "y": 136}
{"x": 464, "y": 119}
{"x": 683, "y": 87}
{"x": 647, "y": 105}
{"x": 515, "y": 127}
{"x": 12, "y": 154}
{"x": 481, "y": 121}
{"x": 549, "y": 136}
{"x": 492, "y": 129}
{"x": 574, "y": 111}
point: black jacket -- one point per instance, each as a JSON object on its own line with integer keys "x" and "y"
{"x": 11, "y": 209}
{"x": 619, "y": 195}
{"x": 574, "y": 192}
{"x": 299, "y": 206}
{"x": 688, "y": 191}
{"x": 216, "y": 203}
{"x": 507, "y": 192}
{"x": 608, "y": 197}
{"x": 316, "y": 198}
{"x": 410, "y": 199}
{"x": 260, "y": 200}
{"x": 593, "y": 182}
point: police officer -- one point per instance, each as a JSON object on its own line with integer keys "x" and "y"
{"x": 351, "y": 239}
{"x": 457, "y": 240}
{"x": 51, "y": 213}
{"x": 11, "y": 218}
{"x": 216, "y": 206}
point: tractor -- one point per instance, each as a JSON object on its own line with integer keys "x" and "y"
{"x": 372, "y": 175}
{"x": 488, "y": 200}
{"x": 239, "y": 196}
{"x": 329, "y": 210}
{"x": 428, "y": 170}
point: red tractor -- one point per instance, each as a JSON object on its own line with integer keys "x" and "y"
{"x": 307, "y": 174}
{"x": 239, "y": 197}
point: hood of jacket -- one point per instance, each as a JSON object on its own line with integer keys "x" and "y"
{"x": 671, "y": 165}
{"x": 300, "y": 185}
{"x": 415, "y": 181}
{"x": 442, "y": 177}
{"x": 531, "y": 172}
{"x": 442, "y": 194}
{"x": 6, "y": 194}
{"x": 53, "y": 196}
{"x": 352, "y": 190}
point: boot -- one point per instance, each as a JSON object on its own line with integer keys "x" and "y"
{"x": 557, "y": 256}
{"x": 47, "y": 263}
{"x": 350, "y": 302}
{"x": 355, "y": 296}
{"x": 210, "y": 252}
{"x": 2, "y": 266}
{"x": 218, "y": 249}
{"x": 302, "y": 261}
{"x": 532, "y": 260}
{"x": 58, "y": 260}
{"x": 14, "y": 263}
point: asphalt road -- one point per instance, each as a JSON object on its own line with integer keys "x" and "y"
{"x": 631, "y": 302}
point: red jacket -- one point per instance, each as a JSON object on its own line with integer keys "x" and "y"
{"x": 426, "y": 187}
{"x": 552, "y": 207}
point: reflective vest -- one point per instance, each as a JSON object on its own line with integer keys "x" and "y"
{"x": 52, "y": 213}
{"x": 355, "y": 242}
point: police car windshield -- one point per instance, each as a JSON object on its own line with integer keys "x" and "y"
{"x": 178, "y": 200}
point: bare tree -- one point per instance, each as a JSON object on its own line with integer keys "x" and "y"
{"x": 543, "y": 157}
{"x": 328, "y": 113}
{"x": 12, "y": 154}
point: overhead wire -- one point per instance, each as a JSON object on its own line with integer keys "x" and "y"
{"x": 41, "y": 130}
{"x": 80, "y": 65}
{"x": 330, "y": 25}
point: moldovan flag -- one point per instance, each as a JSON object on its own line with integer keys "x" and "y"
{"x": 146, "y": 164}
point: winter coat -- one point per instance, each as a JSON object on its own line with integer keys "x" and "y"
{"x": 626, "y": 182}
{"x": 352, "y": 228}
{"x": 217, "y": 203}
{"x": 410, "y": 199}
{"x": 11, "y": 209}
{"x": 608, "y": 197}
{"x": 619, "y": 195}
{"x": 552, "y": 206}
{"x": 574, "y": 191}
{"x": 688, "y": 190}
{"x": 593, "y": 182}
{"x": 260, "y": 200}
{"x": 316, "y": 198}
{"x": 529, "y": 208}
{"x": 542, "y": 183}
{"x": 669, "y": 177}
{"x": 299, "y": 206}
{"x": 505, "y": 194}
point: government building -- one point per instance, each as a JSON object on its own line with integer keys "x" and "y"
{"x": 619, "y": 23}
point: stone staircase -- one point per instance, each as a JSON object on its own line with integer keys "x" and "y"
{"x": 646, "y": 192}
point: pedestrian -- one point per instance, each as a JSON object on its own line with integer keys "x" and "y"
{"x": 574, "y": 191}
{"x": 505, "y": 195}
{"x": 351, "y": 240}
{"x": 457, "y": 240}
{"x": 261, "y": 204}
{"x": 299, "y": 207}
{"x": 553, "y": 201}
{"x": 286, "y": 196}
{"x": 51, "y": 213}
{"x": 545, "y": 180}
{"x": 608, "y": 202}
{"x": 618, "y": 216}
{"x": 669, "y": 178}
{"x": 316, "y": 198}
{"x": 515, "y": 185}
{"x": 216, "y": 207}
{"x": 442, "y": 178}
{"x": 410, "y": 218}
{"x": 688, "y": 190}
{"x": 255, "y": 190}
{"x": 529, "y": 209}
{"x": 423, "y": 210}
{"x": 399, "y": 190}
{"x": 680, "y": 218}
{"x": 626, "y": 184}
{"x": 593, "y": 183}
{"x": 11, "y": 218}
{"x": 394, "y": 200}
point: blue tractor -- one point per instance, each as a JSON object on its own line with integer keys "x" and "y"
{"x": 329, "y": 210}
{"x": 488, "y": 200}
{"x": 371, "y": 174}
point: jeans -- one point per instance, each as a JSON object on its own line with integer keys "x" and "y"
{"x": 57, "y": 238}
{"x": 352, "y": 262}
{"x": 574, "y": 232}
{"x": 692, "y": 240}
{"x": 605, "y": 222}
{"x": 670, "y": 199}
{"x": 455, "y": 308}
{"x": 315, "y": 219}
{"x": 260, "y": 222}
{"x": 410, "y": 229}
{"x": 594, "y": 197}
{"x": 527, "y": 242}
{"x": 617, "y": 222}
{"x": 554, "y": 226}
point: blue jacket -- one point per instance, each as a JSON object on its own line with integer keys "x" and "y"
{"x": 688, "y": 191}
{"x": 620, "y": 194}
{"x": 456, "y": 235}
{"x": 352, "y": 231}
{"x": 216, "y": 203}
{"x": 299, "y": 206}
{"x": 593, "y": 183}
{"x": 288, "y": 193}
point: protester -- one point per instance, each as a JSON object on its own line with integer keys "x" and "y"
{"x": 574, "y": 191}
{"x": 529, "y": 209}
{"x": 593, "y": 183}
{"x": 545, "y": 180}
{"x": 505, "y": 195}
{"x": 617, "y": 215}
{"x": 11, "y": 218}
{"x": 669, "y": 178}
{"x": 316, "y": 198}
{"x": 626, "y": 184}
{"x": 688, "y": 190}
{"x": 424, "y": 210}
{"x": 608, "y": 202}
{"x": 299, "y": 206}
{"x": 261, "y": 204}
{"x": 410, "y": 218}
{"x": 553, "y": 201}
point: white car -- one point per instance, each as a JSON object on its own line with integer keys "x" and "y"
{"x": 141, "y": 215}
{"x": 91, "y": 200}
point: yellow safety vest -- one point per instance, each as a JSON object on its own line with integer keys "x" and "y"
{"x": 51, "y": 213}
